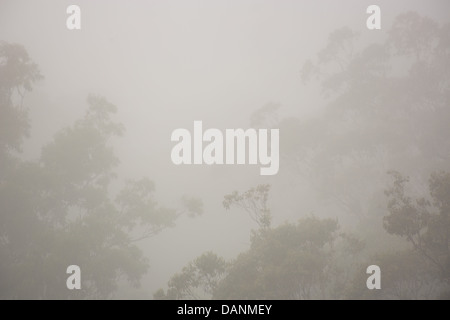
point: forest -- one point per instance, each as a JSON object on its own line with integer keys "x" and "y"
{"x": 367, "y": 177}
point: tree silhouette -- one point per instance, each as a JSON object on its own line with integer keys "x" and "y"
{"x": 59, "y": 210}
{"x": 386, "y": 107}
{"x": 422, "y": 222}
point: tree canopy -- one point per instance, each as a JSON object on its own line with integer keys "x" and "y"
{"x": 59, "y": 210}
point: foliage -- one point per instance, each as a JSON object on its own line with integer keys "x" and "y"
{"x": 423, "y": 223}
{"x": 288, "y": 262}
{"x": 385, "y": 106}
{"x": 59, "y": 210}
{"x": 254, "y": 202}
{"x": 198, "y": 279}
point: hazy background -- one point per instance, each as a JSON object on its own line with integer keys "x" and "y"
{"x": 165, "y": 64}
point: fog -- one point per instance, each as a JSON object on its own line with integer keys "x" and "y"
{"x": 165, "y": 64}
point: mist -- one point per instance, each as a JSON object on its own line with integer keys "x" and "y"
{"x": 252, "y": 64}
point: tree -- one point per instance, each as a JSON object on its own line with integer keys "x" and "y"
{"x": 422, "y": 270}
{"x": 303, "y": 260}
{"x": 423, "y": 222}
{"x": 60, "y": 211}
{"x": 198, "y": 280}
{"x": 17, "y": 76}
{"x": 405, "y": 275}
{"x": 254, "y": 202}
{"x": 288, "y": 262}
{"x": 386, "y": 106}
